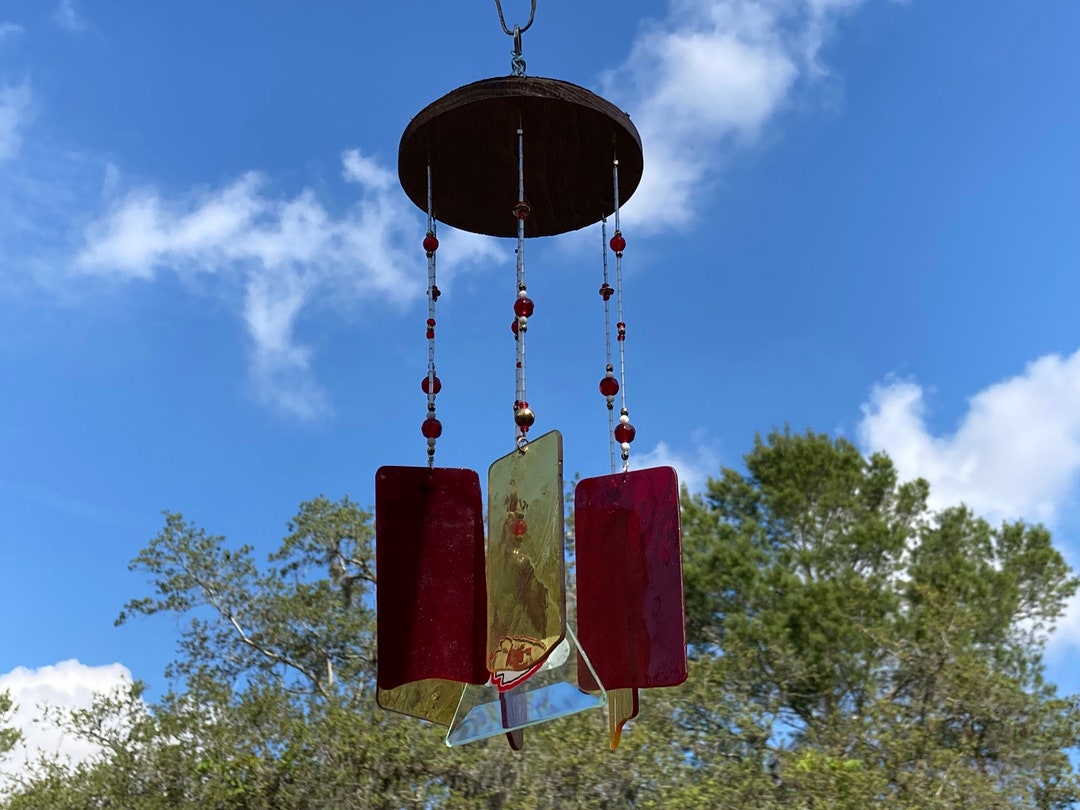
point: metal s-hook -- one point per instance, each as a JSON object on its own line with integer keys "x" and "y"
{"x": 517, "y": 61}
{"x": 518, "y": 31}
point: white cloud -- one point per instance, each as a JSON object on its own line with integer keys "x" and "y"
{"x": 66, "y": 685}
{"x": 47, "y": 195}
{"x": 68, "y": 18}
{"x": 284, "y": 253}
{"x": 693, "y": 467}
{"x": 711, "y": 75}
{"x": 14, "y": 109}
{"x": 820, "y": 24}
{"x": 1066, "y": 637}
{"x": 365, "y": 170}
{"x": 1014, "y": 454}
{"x": 8, "y": 29}
{"x": 281, "y": 370}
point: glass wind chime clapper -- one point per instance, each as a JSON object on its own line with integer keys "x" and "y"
{"x": 431, "y": 600}
{"x": 536, "y": 669}
{"x": 631, "y": 616}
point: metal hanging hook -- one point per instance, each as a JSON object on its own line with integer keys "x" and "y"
{"x": 518, "y": 30}
{"x": 517, "y": 61}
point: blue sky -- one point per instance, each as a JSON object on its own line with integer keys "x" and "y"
{"x": 861, "y": 217}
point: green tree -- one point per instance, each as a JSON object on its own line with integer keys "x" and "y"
{"x": 887, "y": 654}
{"x": 849, "y": 648}
{"x": 9, "y": 737}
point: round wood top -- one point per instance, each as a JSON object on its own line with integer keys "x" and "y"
{"x": 571, "y": 137}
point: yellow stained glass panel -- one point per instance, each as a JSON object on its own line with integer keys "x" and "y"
{"x": 431, "y": 699}
{"x": 525, "y": 587}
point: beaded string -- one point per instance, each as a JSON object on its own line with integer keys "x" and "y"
{"x": 430, "y": 385}
{"x": 523, "y": 309}
{"x": 609, "y": 386}
{"x": 624, "y": 432}
{"x": 621, "y": 701}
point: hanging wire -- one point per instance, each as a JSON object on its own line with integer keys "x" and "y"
{"x": 517, "y": 61}
{"x": 431, "y": 244}
{"x": 605, "y": 293}
{"x": 624, "y": 421}
{"x": 523, "y": 415}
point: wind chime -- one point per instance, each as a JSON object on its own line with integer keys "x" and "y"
{"x": 476, "y": 638}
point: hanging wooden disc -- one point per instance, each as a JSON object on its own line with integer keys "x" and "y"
{"x": 470, "y": 138}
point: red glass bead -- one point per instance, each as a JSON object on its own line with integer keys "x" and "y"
{"x": 606, "y": 291}
{"x": 609, "y": 386}
{"x": 430, "y": 321}
{"x": 624, "y": 434}
{"x": 514, "y": 327}
{"x": 523, "y": 307}
{"x": 519, "y": 528}
{"x": 432, "y": 428}
{"x": 435, "y": 389}
{"x": 430, "y": 334}
{"x": 618, "y": 244}
{"x": 435, "y": 293}
{"x": 522, "y": 210}
{"x": 431, "y": 244}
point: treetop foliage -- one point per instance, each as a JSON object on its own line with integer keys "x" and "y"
{"x": 849, "y": 648}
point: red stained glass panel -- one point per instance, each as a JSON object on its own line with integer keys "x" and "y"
{"x": 631, "y": 617}
{"x": 431, "y": 597}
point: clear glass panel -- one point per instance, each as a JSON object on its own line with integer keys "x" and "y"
{"x": 431, "y": 599}
{"x": 553, "y": 691}
{"x": 526, "y": 594}
{"x": 631, "y": 616}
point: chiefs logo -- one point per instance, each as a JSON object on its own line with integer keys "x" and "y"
{"x": 515, "y": 660}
